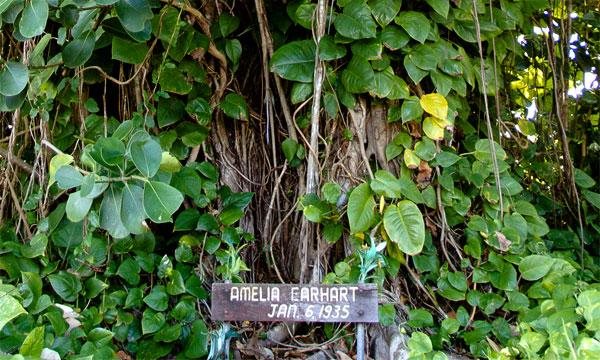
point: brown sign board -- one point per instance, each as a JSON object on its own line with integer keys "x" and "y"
{"x": 295, "y": 302}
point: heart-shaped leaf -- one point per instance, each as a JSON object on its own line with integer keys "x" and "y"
{"x": 404, "y": 225}
{"x": 13, "y": 78}
{"x": 161, "y": 201}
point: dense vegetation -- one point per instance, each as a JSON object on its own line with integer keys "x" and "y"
{"x": 444, "y": 150}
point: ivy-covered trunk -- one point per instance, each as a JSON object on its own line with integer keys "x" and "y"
{"x": 445, "y": 150}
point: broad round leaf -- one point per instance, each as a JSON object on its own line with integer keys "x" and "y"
{"x": 535, "y": 267}
{"x": 295, "y": 61}
{"x": 79, "y": 50}
{"x": 384, "y": 11}
{"x": 356, "y": 21}
{"x": 358, "y": 76}
{"x": 146, "y": 155}
{"x": 415, "y": 24}
{"x": 110, "y": 213}
{"x": 432, "y": 129}
{"x": 161, "y": 201}
{"x": 132, "y": 208}
{"x": 33, "y": 18}
{"x": 440, "y": 6}
{"x": 13, "y": 78}
{"x": 435, "y": 104}
{"x": 133, "y": 14}
{"x": 404, "y": 225}
{"x": 11, "y": 308}
{"x": 68, "y": 177}
{"x": 78, "y": 206}
{"x": 234, "y": 106}
{"x": 361, "y": 208}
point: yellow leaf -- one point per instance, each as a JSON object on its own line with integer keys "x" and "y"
{"x": 169, "y": 163}
{"x": 381, "y": 204}
{"x": 411, "y": 159}
{"x": 57, "y": 161}
{"x": 435, "y": 104}
{"x": 433, "y": 129}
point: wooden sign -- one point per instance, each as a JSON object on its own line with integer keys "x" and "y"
{"x": 295, "y": 303}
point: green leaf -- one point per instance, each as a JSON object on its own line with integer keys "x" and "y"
{"x": 152, "y": 321}
{"x": 331, "y": 192}
{"x": 174, "y": 81}
{"x": 425, "y": 57}
{"x": 404, "y": 225}
{"x": 419, "y": 318}
{"x": 233, "y": 49}
{"x": 411, "y": 160}
{"x": 146, "y": 155}
{"x": 295, "y": 61}
{"x": 419, "y": 344}
{"x": 583, "y": 180}
{"x": 394, "y": 38}
{"x": 197, "y": 342}
{"x": 483, "y": 151}
{"x": 592, "y": 197}
{"x": 175, "y": 286}
{"x": 415, "y": 24}
{"x": 384, "y": 11}
{"x": 132, "y": 208}
{"x": 361, "y": 208}
{"x": 77, "y": 207}
{"x": 110, "y": 213}
{"x": 66, "y": 285}
{"x": 329, "y": 50}
{"x": 384, "y": 183}
{"x": 13, "y": 78}
{"x": 411, "y": 110}
{"x": 100, "y": 336}
{"x": 358, "y": 76}
{"x": 387, "y": 314}
{"x": 108, "y": 152}
{"x": 4, "y": 5}
{"x": 446, "y": 159}
{"x": 161, "y": 201}
{"x": 93, "y": 287}
{"x": 425, "y": 149}
{"x": 356, "y": 22}
{"x": 435, "y": 104}
{"x": 415, "y": 73}
{"x": 79, "y": 50}
{"x": 301, "y": 92}
{"x": 440, "y": 6}
{"x": 535, "y": 267}
{"x": 168, "y": 333}
{"x": 68, "y": 177}
{"x": 35, "y": 247}
{"x": 157, "y": 299}
{"x": 33, "y": 18}
{"x": 133, "y": 14}
{"x": 129, "y": 270}
{"x": 227, "y": 24}
{"x": 11, "y": 308}
{"x": 34, "y": 343}
{"x": 129, "y": 52}
{"x": 234, "y": 106}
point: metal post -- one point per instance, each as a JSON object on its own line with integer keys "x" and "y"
{"x": 360, "y": 338}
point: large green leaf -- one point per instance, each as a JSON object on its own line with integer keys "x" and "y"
{"x": 535, "y": 267}
{"x": 13, "y": 78}
{"x": 128, "y": 51}
{"x": 234, "y": 106}
{"x": 33, "y": 18}
{"x": 358, "y": 76}
{"x": 157, "y": 299}
{"x": 356, "y": 21}
{"x": 152, "y": 321}
{"x": 146, "y": 155}
{"x": 404, "y": 225}
{"x": 592, "y": 197}
{"x": 384, "y": 11}
{"x": 108, "y": 151}
{"x": 79, "y": 50}
{"x": 66, "y": 285}
{"x": 34, "y": 343}
{"x": 394, "y": 38}
{"x": 295, "y": 61}
{"x": 11, "y": 308}
{"x": 132, "y": 208}
{"x": 133, "y": 14}
{"x": 78, "y": 207}
{"x": 386, "y": 184}
{"x": 361, "y": 208}
{"x": 329, "y": 50}
{"x": 440, "y": 6}
{"x": 161, "y": 201}
{"x": 483, "y": 150}
{"x": 110, "y": 213}
{"x": 68, "y": 177}
{"x": 4, "y": 5}
{"x": 415, "y": 24}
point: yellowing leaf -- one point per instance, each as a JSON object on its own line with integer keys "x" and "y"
{"x": 57, "y": 161}
{"x": 411, "y": 159}
{"x": 435, "y": 104}
{"x": 433, "y": 129}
